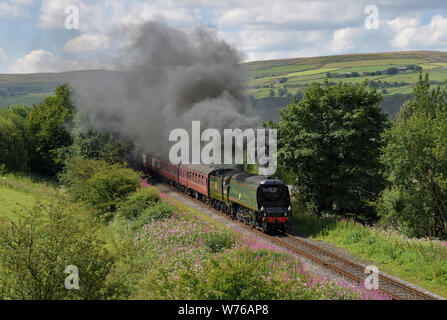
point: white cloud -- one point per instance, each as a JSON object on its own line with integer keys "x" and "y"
{"x": 87, "y": 42}
{"x": 23, "y": 2}
{"x": 13, "y": 9}
{"x": 101, "y": 16}
{"x": 259, "y": 43}
{"x": 262, "y": 29}
{"x": 284, "y": 13}
{"x": 43, "y": 61}
{"x": 411, "y": 34}
{"x": 3, "y": 56}
{"x": 342, "y": 40}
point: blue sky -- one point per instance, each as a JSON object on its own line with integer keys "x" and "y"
{"x": 33, "y": 37}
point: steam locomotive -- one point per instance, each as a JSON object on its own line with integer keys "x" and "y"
{"x": 257, "y": 201}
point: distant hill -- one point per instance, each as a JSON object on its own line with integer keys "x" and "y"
{"x": 34, "y": 87}
{"x": 272, "y": 83}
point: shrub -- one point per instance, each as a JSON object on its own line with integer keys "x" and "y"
{"x": 138, "y": 202}
{"x": 158, "y": 211}
{"x": 35, "y": 252}
{"x": 232, "y": 278}
{"x": 98, "y": 143}
{"x": 99, "y": 184}
{"x": 229, "y": 277}
{"x": 3, "y": 170}
{"x": 217, "y": 241}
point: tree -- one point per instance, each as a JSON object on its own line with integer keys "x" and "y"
{"x": 47, "y": 125}
{"x": 19, "y": 109}
{"x": 14, "y": 138}
{"x": 415, "y": 157}
{"x": 92, "y": 144}
{"x": 330, "y": 141}
{"x": 13, "y": 153}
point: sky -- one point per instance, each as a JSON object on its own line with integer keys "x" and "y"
{"x": 41, "y": 36}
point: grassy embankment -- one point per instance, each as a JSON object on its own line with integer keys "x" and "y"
{"x": 184, "y": 255}
{"x": 420, "y": 261}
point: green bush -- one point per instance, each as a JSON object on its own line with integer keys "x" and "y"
{"x": 137, "y": 202}
{"x": 13, "y": 148}
{"x": 19, "y": 109}
{"x": 99, "y": 184}
{"x": 217, "y": 241}
{"x": 238, "y": 278}
{"x": 35, "y": 252}
{"x": 96, "y": 144}
{"x": 3, "y": 170}
{"x": 228, "y": 277}
{"x": 158, "y": 211}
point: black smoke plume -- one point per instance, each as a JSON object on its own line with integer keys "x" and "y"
{"x": 165, "y": 79}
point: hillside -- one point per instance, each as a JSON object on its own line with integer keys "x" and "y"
{"x": 271, "y": 83}
{"x": 295, "y": 74}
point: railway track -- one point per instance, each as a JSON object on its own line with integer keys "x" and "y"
{"x": 349, "y": 269}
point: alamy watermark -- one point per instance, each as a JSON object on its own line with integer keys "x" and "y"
{"x": 72, "y": 18}
{"x": 372, "y": 281}
{"x": 72, "y": 281}
{"x": 372, "y": 20}
{"x": 258, "y": 142}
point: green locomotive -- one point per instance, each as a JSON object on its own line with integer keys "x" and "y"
{"x": 255, "y": 200}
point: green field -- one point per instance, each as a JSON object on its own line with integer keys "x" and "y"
{"x": 262, "y": 74}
